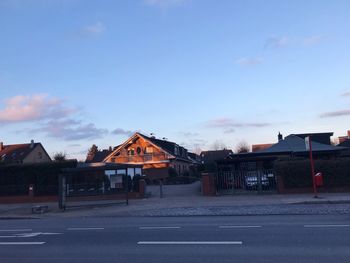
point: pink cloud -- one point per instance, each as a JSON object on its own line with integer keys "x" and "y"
{"x": 33, "y": 108}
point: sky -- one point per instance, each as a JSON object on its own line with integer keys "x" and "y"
{"x": 200, "y": 73}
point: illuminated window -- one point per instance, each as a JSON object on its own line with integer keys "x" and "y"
{"x": 149, "y": 149}
{"x": 131, "y": 151}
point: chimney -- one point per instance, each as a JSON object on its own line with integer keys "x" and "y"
{"x": 32, "y": 144}
{"x": 348, "y": 134}
{"x": 280, "y": 136}
{"x": 1, "y": 146}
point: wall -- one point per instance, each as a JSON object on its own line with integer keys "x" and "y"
{"x": 34, "y": 155}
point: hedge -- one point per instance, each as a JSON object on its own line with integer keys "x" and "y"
{"x": 296, "y": 173}
{"x": 15, "y": 179}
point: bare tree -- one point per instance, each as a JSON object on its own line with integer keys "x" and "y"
{"x": 60, "y": 157}
{"x": 218, "y": 145}
{"x": 242, "y": 147}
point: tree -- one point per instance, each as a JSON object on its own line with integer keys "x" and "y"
{"x": 242, "y": 147}
{"x": 93, "y": 150}
{"x": 60, "y": 157}
{"x": 218, "y": 145}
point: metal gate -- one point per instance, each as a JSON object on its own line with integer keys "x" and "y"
{"x": 241, "y": 181}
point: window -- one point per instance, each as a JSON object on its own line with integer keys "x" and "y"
{"x": 131, "y": 151}
{"x": 138, "y": 150}
{"x": 40, "y": 155}
{"x": 149, "y": 149}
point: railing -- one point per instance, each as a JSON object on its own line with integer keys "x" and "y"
{"x": 142, "y": 158}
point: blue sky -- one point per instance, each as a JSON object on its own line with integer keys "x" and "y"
{"x": 74, "y": 72}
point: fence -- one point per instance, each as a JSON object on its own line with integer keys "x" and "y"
{"x": 241, "y": 181}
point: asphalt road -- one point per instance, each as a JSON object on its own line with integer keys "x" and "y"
{"x": 322, "y": 238}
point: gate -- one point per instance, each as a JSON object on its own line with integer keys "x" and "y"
{"x": 241, "y": 181}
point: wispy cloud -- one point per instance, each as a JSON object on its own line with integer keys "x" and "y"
{"x": 71, "y": 130}
{"x": 346, "y": 94}
{"x": 228, "y": 124}
{"x": 249, "y": 61}
{"x": 165, "y": 3}
{"x": 276, "y": 42}
{"x": 339, "y": 113}
{"x": 33, "y": 108}
{"x": 93, "y": 30}
{"x": 312, "y": 40}
{"x": 189, "y": 134}
{"x": 120, "y": 131}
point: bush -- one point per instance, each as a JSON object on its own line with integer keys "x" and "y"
{"x": 297, "y": 173}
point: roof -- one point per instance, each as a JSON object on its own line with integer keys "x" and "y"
{"x": 98, "y": 156}
{"x": 212, "y": 156}
{"x": 166, "y": 146}
{"x": 295, "y": 144}
{"x": 345, "y": 143}
{"x": 15, "y": 153}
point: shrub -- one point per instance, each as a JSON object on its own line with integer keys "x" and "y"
{"x": 297, "y": 173}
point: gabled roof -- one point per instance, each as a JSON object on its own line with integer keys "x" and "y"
{"x": 98, "y": 156}
{"x": 167, "y": 146}
{"x": 295, "y": 144}
{"x": 15, "y": 153}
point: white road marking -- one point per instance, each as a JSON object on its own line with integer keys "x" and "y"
{"x": 239, "y": 226}
{"x": 84, "y": 228}
{"x": 22, "y": 243}
{"x": 326, "y": 226}
{"x": 190, "y": 243}
{"x": 16, "y": 230}
{"x": 24, "y": 235}
{"x": 159, "y": 227}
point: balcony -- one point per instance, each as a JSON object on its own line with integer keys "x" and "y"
{"x": 142, "y": 158}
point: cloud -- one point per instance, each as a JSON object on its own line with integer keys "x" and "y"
{"x": 276, "y": 42}
{"x": 120, "y": 131}
{"x": 346, "y": 94}
{"x": 71, "y": 130}
{"x": 249, "y": 61}
{"x": 164, "y": 3}
{"x": 228, "y": 131}
{"x": 331, "y": 114}
{"x": 228, "y": 124}
{"x": 190, "y": 134}
{"x": 33, "y": 108}
{"x": 312, "y": 40}
{"x": 93, "y": 30}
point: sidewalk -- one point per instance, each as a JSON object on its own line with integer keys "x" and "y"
{"x": 195, "y": 205}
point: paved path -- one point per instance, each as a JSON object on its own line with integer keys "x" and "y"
{"x": 175, "y": 203}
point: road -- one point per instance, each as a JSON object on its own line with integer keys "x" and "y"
{"x": 318, "y": 239}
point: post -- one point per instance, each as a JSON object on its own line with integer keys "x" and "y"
{"x": 62, "y": 192}
{"x": 161, "y": 188}
{"x": 312, "y": 166}
{"x": 127, "y": 189}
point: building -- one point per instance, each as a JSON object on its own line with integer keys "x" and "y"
{"x": 247, "y": 166}
{"x": 23, "y": 153}
{"x": 158, "y": 156}
{"x": 209, "y": 159}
